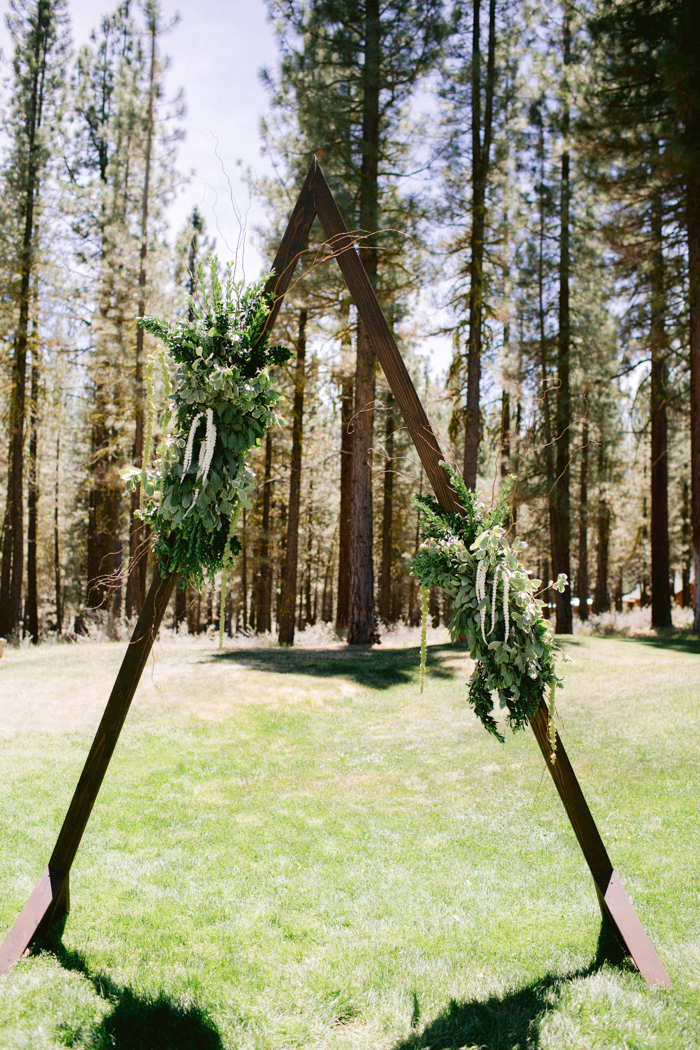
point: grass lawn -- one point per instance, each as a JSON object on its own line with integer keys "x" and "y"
{"x": 296, "y": 849}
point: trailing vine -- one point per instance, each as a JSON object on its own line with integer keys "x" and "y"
{"x": 221, "y": 406}
{"x": 494, "y": 605}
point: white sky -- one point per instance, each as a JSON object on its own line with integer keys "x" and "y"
{"x": 216, "y": 52}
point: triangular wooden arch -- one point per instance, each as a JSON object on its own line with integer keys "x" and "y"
{"x": 50, "y": 899}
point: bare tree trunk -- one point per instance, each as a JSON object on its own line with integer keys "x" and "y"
{"x": 138, "y": 562}
{"x": 543, "y": 348}
{"x": 344, "y": 523}
{"x": 192, "y": 611}
{"x": 660, "y": 554}
{"x": 58, "y": 585}
{"x": 11, "y": 576}
{"x": 31, "y": 624}
{"x": 693, "y": 226}
{"x": 180, "y": 606}
{"x": 327, "y": 599}
{"x": 481, "y": 151}
{"x": 385, "y": 573}
{"x": 244, "y": 572}
{"x": 265, "y": 614}
{"x": 583, "y": 583}
{"x": 603, "y": 522}
{"x": 362, "y": 627}
{"x": 561, "y": 501}
{"x": 309, "y": 617}
{"x": 361, "y": 613}
{"x": 414, "y": 605}
{"x": 687, "y": 553}
{"x": 289, "y": 576}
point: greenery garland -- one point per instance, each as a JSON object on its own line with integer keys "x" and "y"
{"x": 222, "y": 405}
{"x": 494, "y": 604}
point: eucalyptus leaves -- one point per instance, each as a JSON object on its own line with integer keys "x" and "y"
{"x": 494, "y": 604}
{"x": 222, "y": 404}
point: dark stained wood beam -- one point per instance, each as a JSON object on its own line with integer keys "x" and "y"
{"x": 50, "y": 897}
{"x": 614, "y": 903}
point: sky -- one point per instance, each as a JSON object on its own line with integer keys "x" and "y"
{"x": 216, "y": 51}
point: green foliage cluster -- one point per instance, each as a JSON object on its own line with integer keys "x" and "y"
{"x": 222, "y": 403}
{"x": 494, "y": 603}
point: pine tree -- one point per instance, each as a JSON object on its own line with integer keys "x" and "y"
{"x": 287, "y": 616}
{"x": 39, "y": 32}
{"x": 648, "y": 80}
{"x": 123, "y": 176}
{"x": 347, "y": 71}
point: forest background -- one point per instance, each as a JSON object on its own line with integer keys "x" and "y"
{"x": 524, "y": 181}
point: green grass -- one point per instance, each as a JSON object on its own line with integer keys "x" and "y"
{"x": 296, "y": 849}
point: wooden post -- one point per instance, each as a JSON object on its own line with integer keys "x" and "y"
{"x": 316, "y": 199}
{"x": 50, "y": 899}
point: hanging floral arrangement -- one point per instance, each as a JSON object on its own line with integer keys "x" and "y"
{"x": 495, "y": 607}
{"x": 221, "y": 405}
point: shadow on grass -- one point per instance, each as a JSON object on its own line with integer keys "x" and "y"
{"x": 511, "y": 1021}
{"x": 684, "y": 643}
{"x": 134, "y": 1022}
{"x": 376, "y": 668}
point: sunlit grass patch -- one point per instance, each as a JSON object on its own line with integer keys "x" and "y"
{"x": 297, "y": 849}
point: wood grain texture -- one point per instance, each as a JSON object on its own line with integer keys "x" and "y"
{"x": 614, "y": 903}
{"x": 623, "y": 916}
{"x": 293, "y": 244}
{"x": 112, "y": 721}
{"x": 572, "y": 797}
{"x": 31, "y": 918}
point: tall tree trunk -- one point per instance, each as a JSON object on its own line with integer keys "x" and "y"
{"x": 481, "y": 151}
{"x": 385, "y": 574}
{"x": 289, "y": 575}
{"x": 344, "y": 522}
{"x": 693, "y": 225}
{"x": 327, "y": 599}
{"x": 543, "y": 345}
{"x": 660, "y": 554}
{"x": 583, "y": 582}
{"x": 31, "y": 624}
{"x": 603, "y": 521}
{"x": 361, "y": 614}
{"x": 138, "y": 561}
{"x": 11, "y": 576}
{"x": 686, "y": 549}
{"x": 244, "y": 572}
{"x": 180, "y": 606}
{"x": 265, "y": 613}
{"x": 561, "y": 503}
{"x": 505, "y": 434}
{"x": 103, "y": 509}
{"x": 308, "y": 568}
{"x": 58, "y": 585}
{"x": 414, "y": 604}
{"x": 362, "y": 626}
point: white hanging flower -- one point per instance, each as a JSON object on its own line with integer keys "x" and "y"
{"x": 493, "y": 599}
{"x": 206, "y": 449}
{"x": 506, "y": 611}
{"x": 481, "y": 593}
{"x": 188, "y": 449}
